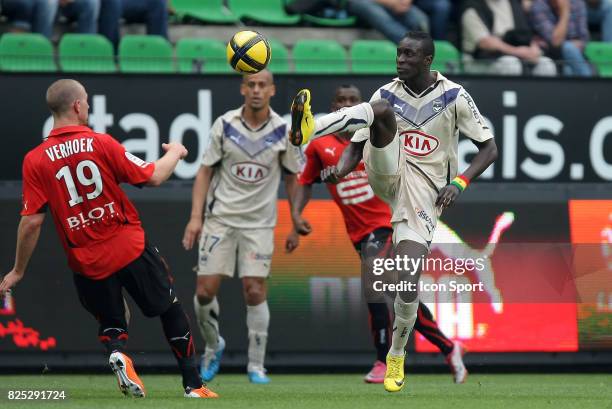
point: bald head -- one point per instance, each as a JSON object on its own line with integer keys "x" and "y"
{"x": 263, "y": 74}
{"x": 62, "y": 94}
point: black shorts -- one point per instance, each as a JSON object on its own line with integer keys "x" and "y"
{"x": 378, "y": 243}
{"x": 147, "y": 280}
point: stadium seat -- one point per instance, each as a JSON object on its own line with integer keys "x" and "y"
{"x": 263, "y": 11}
{"x": 145, "y": 53}
{"x": 26, "y": 52}
{"x": 329, "y": 22}
{"x": 279, "y": 62}
{"x": 447, "y": 58}
{"x": 201, "y": 55}
{"x": 373, "y": 57}
{"x": 319, "y": 56}
{"x": 600, "y": 54}
{"x": 86, "y": 53}
{"x": 209, "y": 11}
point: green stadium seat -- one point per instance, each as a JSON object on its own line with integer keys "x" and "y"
{"x": 209, "y": 11}
{"x": 329, "y": 22}
{"x": 373, "y": 57}
{"x": 279, "y": 62}
{"x": 447, "y": 58}
{"x": 319, "y": 56}
{"x": 86, "y": 53}
{"x": 263, "y": 11}
{"x": 26, "y": 52}
{"x": 201, "y": 55}
{"x": 145, "y": 53}
{"x": 600, "y": 54}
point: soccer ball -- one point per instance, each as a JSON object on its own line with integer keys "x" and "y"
{"x": 248, "y": 52}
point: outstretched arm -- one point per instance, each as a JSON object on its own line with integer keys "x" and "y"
{"x": 27, "y": 237}
{"x": 165, "y": 165}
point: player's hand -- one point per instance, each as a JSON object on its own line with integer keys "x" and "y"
{"x": 192, "y": 234}
{"x": 530, "y": 53}
{"x": 175, "y": 147}
{"x": 292, "y": 242}
{"x": 330, "y": 175}
{"x": 447, "y": 196}
{"x": 9, "y": 281}
{"x": 301, "y": 225}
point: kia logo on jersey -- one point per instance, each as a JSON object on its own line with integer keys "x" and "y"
{"x": 419, "y": 143}
{"x": 249, "y": 172}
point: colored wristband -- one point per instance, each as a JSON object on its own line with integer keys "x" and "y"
{"x": 461, "y": 182}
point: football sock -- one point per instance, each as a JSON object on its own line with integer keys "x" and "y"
{"x": 379, "y": 326}
{"x": 258, "y": 319}
{"x": 178, "y": 334}
{"x": 405, "y": 315}
{"x": 347, "y": 119}
{"x": 113, "y": 336}
{"x": 426, "y": 325}
{"x": 208, "y": 316}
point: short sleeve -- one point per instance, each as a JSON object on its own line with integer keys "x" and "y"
{"x": 33, "y": 197}
{"x": 312, "y": 170}
{"x": 214, "y": 152}
{"x": 290, "y": 158}
{"x": 127, "y": 167}
{"x": 473, "y": 30}
{"x": 469, "y": 120}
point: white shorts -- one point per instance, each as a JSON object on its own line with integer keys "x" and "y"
{"x": 225, "y": 249}
{"x": 411, "y": 196}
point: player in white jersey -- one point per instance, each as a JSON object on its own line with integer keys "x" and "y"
{"x": 410, "y": 128}
{"x": 238, "y": 181}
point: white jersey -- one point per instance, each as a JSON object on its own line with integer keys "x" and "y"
{"x": 244, "y": 188}
{"x": 428, "y": 125}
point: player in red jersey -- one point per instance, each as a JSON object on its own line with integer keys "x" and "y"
{"x": 367, "y": 219}
{"x": 75, "y": 174}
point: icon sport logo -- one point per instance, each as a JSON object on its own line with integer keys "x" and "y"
{"x": 418, "y": 143}
{"x": 249, "y": 172}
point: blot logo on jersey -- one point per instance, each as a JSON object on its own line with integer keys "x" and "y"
{"x": 249, "y": 172}
{"x": 419, "y": 143}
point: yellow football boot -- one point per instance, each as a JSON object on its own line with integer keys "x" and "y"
{"x": 394, "y": 377}
{"x": 302, "y": 121}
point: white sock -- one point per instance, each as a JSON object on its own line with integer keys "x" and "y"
{"x": 347, "y": 119}
{"x": 208, "y": 321}
{"x": 405, "y": 316}
{"x": 258, "y": 319}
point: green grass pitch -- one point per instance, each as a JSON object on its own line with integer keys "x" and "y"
{"x": 327, "y": 391}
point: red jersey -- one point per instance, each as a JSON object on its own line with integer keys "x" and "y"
{"x": 363, "y": 211}
{"x": 76, "y": 174}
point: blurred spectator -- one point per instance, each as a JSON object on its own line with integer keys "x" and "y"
{"x": 600, "y": 14}
{"x": 154, "y": 13}
{"x": 84, "y": 12}
{"x": 393, "y": 18}
{"x": 497, "y": 31}
{"x": 562, "y": 24}
{"x": 311, "y": 6}
{"x": 36, "y": 16}
{"x": 439, "y": 13}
